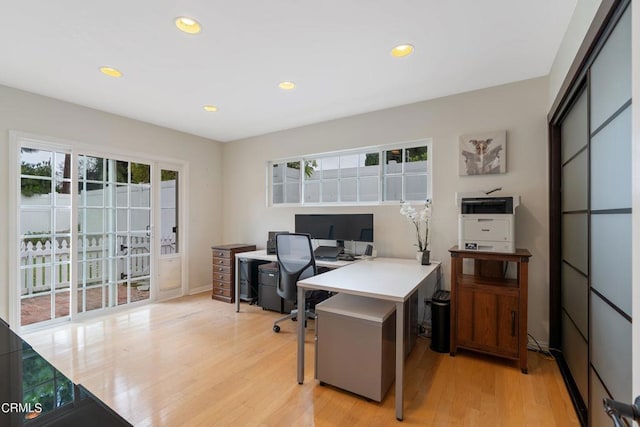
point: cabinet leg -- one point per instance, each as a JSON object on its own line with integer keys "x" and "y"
{"x": 524, "y": 371}
{"x": 452, "y": 354}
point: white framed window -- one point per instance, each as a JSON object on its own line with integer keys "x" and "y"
{"x": 286, "y": 182}
{"x": 372, "y": 175}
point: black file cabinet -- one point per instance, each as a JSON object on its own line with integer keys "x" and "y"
{"x": 268, "y": 298}
{"x": 249, "y": 279}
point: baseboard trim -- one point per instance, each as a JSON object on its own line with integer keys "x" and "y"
{"x": 170, "y": 294}
{"x": 200, "y": 290}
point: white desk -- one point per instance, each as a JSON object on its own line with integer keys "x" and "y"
{"x": 263, "y": 256}
{"x": 389, "y": 279}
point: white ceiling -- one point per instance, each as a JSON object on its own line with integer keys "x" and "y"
{"x": 337, "y": 51}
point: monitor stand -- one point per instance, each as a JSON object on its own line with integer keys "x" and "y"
{"x": 327, "y": 252}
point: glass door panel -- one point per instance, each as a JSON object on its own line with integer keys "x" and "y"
{"x": 170, "y": 260}
{"x": 45, "y": 233}
{"x": 114, "y": 222}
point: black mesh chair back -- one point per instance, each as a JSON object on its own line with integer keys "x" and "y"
{"x": 296, "y": 261}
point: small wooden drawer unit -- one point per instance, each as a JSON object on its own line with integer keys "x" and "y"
{"x": 224, "y": 262}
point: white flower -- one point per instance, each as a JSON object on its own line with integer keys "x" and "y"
{"x": 425, "y": 213}
{"x": 420, "y": 221}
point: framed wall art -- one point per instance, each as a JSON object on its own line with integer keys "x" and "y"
{"x": 483, "y": 153}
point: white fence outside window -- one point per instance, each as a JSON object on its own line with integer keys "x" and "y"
{"x": 36, "y": 261}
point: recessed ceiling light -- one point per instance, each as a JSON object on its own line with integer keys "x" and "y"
{"x": 188, "y": 25}
{"x": 402, "y": 50}
{"x": 287, "y": 85}
{"x": 111, "y": 72}
{"x": 210, "y": 108}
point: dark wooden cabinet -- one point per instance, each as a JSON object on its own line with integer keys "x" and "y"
{"x": 489, "y": 311}
{"x": 224, "y": 263}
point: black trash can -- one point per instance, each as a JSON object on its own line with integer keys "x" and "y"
{"x": 440, "y": 321}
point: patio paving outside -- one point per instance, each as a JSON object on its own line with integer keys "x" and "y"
{"x": 38, "y": 308}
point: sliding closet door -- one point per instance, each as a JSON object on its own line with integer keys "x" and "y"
{"x": 610, "y": 220}
{"x": 575, "y": 243}
{"x": 591, "y": 225}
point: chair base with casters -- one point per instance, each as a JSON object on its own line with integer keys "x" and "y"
{"x": 293, "y": 316}
{"x": 313, "y": 298}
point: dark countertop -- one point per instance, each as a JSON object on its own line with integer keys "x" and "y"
{"x": 34, "y": 393}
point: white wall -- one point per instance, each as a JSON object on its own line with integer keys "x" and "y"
{"x": 518, "y": 108}
{"x": 26, "y": 112}
{"x": 580, "y": 21}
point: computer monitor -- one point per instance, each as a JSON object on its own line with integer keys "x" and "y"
{"x": 357, "y": 227}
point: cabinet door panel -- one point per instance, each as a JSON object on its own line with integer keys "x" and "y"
{"x": 508, "y": 324}
{"x": 465, "y": 315}
{"x": 484, "y": 318}
{"x": 488, "y": 320}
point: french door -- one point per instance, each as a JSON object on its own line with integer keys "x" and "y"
{"x": 45, "y": 234}
{"x": 85, "y": 227}
{"x": 170, "y": 255}
{"x": 114, "y": 232}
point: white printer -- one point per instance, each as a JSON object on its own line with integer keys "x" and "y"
{"x": 486, "y": 223}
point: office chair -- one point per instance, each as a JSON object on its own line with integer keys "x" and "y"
{"x": 296, "y": 262}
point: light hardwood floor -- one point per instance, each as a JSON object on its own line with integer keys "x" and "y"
{"x": 195, "y": 361}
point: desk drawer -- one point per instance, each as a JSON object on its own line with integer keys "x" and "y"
{"x": 221, "y": 292}
{"x": 221, "y": 261}
{"x": 217, "y": 284}
{"x": 269, "y": 278}
{"x": 222, "y": 269}
{"x": 222, "y": 253}
{"x": 222, "y": 277}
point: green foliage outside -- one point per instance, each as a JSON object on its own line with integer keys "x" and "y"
{"x": 97, "y": 171}
{"x": 167, "y": 175}
{"x": 416, "y": 154}
{"x": 33, "y": 186}
{"x": 94, "y": 171}
{"x": 372, "y": 159}
{"x": 309, "y": 166}
{"x": 43, "y": 384}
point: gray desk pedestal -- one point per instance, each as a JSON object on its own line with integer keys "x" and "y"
{"x": 355, "y": 344}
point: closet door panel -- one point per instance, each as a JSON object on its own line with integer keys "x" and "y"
{"x": 611, "y": 258}
{"x": 611, "y": 348}
{"x": 575, "y": 129}
{"x": 611, "y": 164}
{"x": 575, "y": 179}
{"x": 599, "y": 418}
{"x": 575, "y": 241}
{"x": 611, "y": 73}
{"x": 575, "y": 350}
{"x": 575, "y": 298}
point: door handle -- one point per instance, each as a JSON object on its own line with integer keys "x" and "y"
{"x": 513, "y": 323}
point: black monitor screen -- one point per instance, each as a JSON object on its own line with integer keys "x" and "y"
{"x": 358, "y": 227}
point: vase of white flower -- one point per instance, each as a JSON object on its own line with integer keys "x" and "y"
{"x": 421, "y": 223}
{"x": 426, "y": 257}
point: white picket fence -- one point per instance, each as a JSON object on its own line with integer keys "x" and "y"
{"x": 40, "y": 261}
